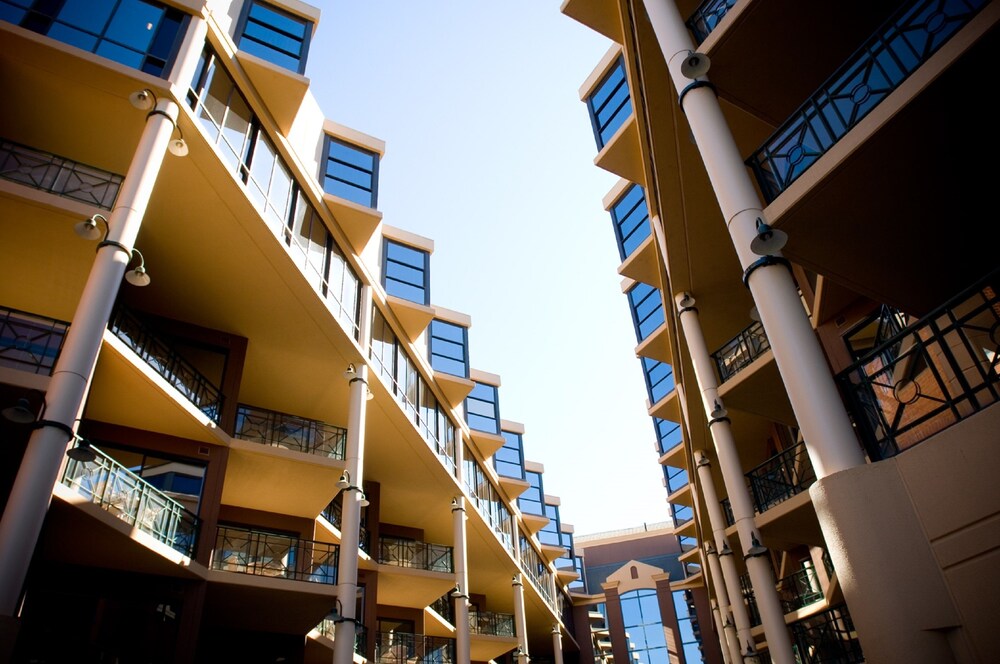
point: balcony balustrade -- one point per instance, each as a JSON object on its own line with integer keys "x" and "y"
{"x": 333, "y": 514}
{"x": 290, "y": 432}
{"x": 118, "y": 490}
{"x": 826, "y": 638}
{"x": 413, "y": 554}
{"x": 707, "y": 17}
{"x": 57, "y": 175}
{"x": 936, "y": 372}
{"x": 261, "y": 553}
{"x": 489, "y": 623}
{"x": 739, "y": 352}
{"x": 402, "y": 648}
{"x": 444, "y": 608}
{"x": 777, "y": 479}
{"x": 799, "y": 589}
{"x": 29, "y": 342}
{"x": 897, "y": 49}
{"x": 169, "y": 364}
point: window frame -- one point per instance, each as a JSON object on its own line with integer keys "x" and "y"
{"x": 240, "y": 32}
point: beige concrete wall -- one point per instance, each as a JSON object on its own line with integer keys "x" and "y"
{"x": 916, "y": 544}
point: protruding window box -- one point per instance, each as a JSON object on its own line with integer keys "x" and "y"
{"x": 514, "y": 486}
{"x": 455, "y": 388}
{"x": 349, "y": 175}
{"x": 682, "y": 496}
{"x": 616, "y": 131}
{"x": 644, "y": 263}
{"x": 676, "y": 456}
{"x": 413, "y": 317}
{"x": 534, "y": 522}
{"x": 601, "y": 16}
{"x": 550, "y": 551}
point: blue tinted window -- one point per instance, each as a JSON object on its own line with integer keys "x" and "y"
{"x": 646, "y": 306}
{"x": 681, "y": 513}
{"x": 448, "y": 348}
{"x": 405, "y": 272}
{"x": 641, "y": 613}
{"x": 677, "y": 478}
{"x": 530, "y": 502}
{"x": 351, "y": 172}
{"x": 137, "y": 33}
{"x": 668, "y": 434}
{"x": 631, "y": 217}
{"x": 482, "y": 408}
{"x": 509, "y": 459}
{"x": 659, "y": 378}
{"x": 610, "y": 105}
{"x": 275, "y": 35}
{"x": 550, "y": 533}
{"x": 687, "y": 621}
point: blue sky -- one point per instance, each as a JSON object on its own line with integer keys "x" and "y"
{"x": 489, "y": 152}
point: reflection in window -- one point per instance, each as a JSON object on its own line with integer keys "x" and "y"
{"x": 136, "y": 33}
{"x": 406, "y": 272}
{"x": 631, "y": 218}
{"x": 275, "y": 35}
{"x": 610, "y": 105}
{"x": 687, "y": 621}
{"x": 449, "y": 348}
{"x": 532, "y": 500}
{"x": 659, "y": 378}
{"x": 351, "y": 172}
{"x": 646, "y": 307}
{"x": 487, "y": 499}
{"x": 668, "y": 434}
{"x": 482, "y": 408}
{"x": 509, "y": 459}
{"x": 641, "y": 613}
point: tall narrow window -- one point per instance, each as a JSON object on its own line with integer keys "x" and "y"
{"x": 659, "y": 378}
{"x": 351, "y": 172}
{"x": 509, "y": 459}
{"x": 610, "y": 104}
{"x": 449, "y": 348}
{"x": 631, "y": 218}
{"x": 482, "y": 408}
{"x": 646, "y": 306}
{"x": 275, "y": 35}
{"x": 405, "y": 272}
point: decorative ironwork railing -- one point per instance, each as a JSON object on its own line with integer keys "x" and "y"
{"x": 707, "y": 17}
{"x": 30, "y": 342}
{"x": 727, "y": 512}
{"x": 740, "y": 351}
{"x": 177, "y": 371}
{"x": 491, "y": 624}
{"x": 261, "y": 553}
{"x": 786, "y": 474}
{"x": 328, "y": 628}
{"x": 276, "y": 429}
{"x": 134, "y": 500}
{"x": 827, "y": 637}
{"x": 903, "y": 43}
{"x": 444, "y": 608}
{"x": 402, "y": 648}
{"x": 753, "y": 613}
{"x": 936, "y": 372}
{"x": 57, "y": 175}
{"x": 411, "y": 553}
{"x": 799, "y": 589}
{"x": 333, "y": 512}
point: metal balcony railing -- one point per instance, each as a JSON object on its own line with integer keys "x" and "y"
{"x": 750, "y": 600}
{"x": 938, "y": 371}
{"x": 328, "y": 628}
{"x": 276, "y": 429}
{"x": 402, "y": 648}
{"x": 786, "y": 474}
{"x": 827, "y": 638}
{"x": 261, "y": 553}
{"x": 444, "y": 608}
{"x": 727, "y": 512}
{"x": 799, "y": 589}
{"x": 489, "y": 623}
{"x": 707, "y": 17}
{"x": 897, "y": 49}
{"x": 134, "y": 500}
{"x": 30, "y": 342}
{"x": 418, "y": 555}
{"x": 333, "y": 513}
{"x": 740, "y": 351}
{"x": 48, "y": 172}
{"x": 158, "y": 354}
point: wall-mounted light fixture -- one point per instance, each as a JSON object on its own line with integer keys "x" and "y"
{"x": 768, "y": 241}
{"x": 145, "y": 100}
{"x": 344, "y": 484}
{"x": 89, "y": 230}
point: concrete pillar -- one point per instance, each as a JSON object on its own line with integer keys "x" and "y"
{"x": 557, "y": 652}
{"x": 728, "y": 632}
{"x": 71, "y": 376}
{"x": 720, "y": 629}
{"x": 520, "y": 621}
{"x": 350, "y": 530}
{"x": 779, "y": 642}
{"x": 463, "y": 647}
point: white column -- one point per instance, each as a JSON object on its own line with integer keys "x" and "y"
{"x": 761, "y": 577}
{"x": 463, "y": 647}
{"x": 819, "y": 411}
{"x": 557, "y": 644}
{"x": 39, "y": 470}
{"x": 728, "y": 633}
{"x": 722, "y": 629}
{"x": 350, "y": 518}
{"x": 520, "y": 623}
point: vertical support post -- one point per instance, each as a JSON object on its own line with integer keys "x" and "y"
{"x": 557, "y": 644}
{"x": 520, "y": 622}
{"x": 463, "y": 646}
{"x": 728, "y": 633}
{"x": 32, "y": 491}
